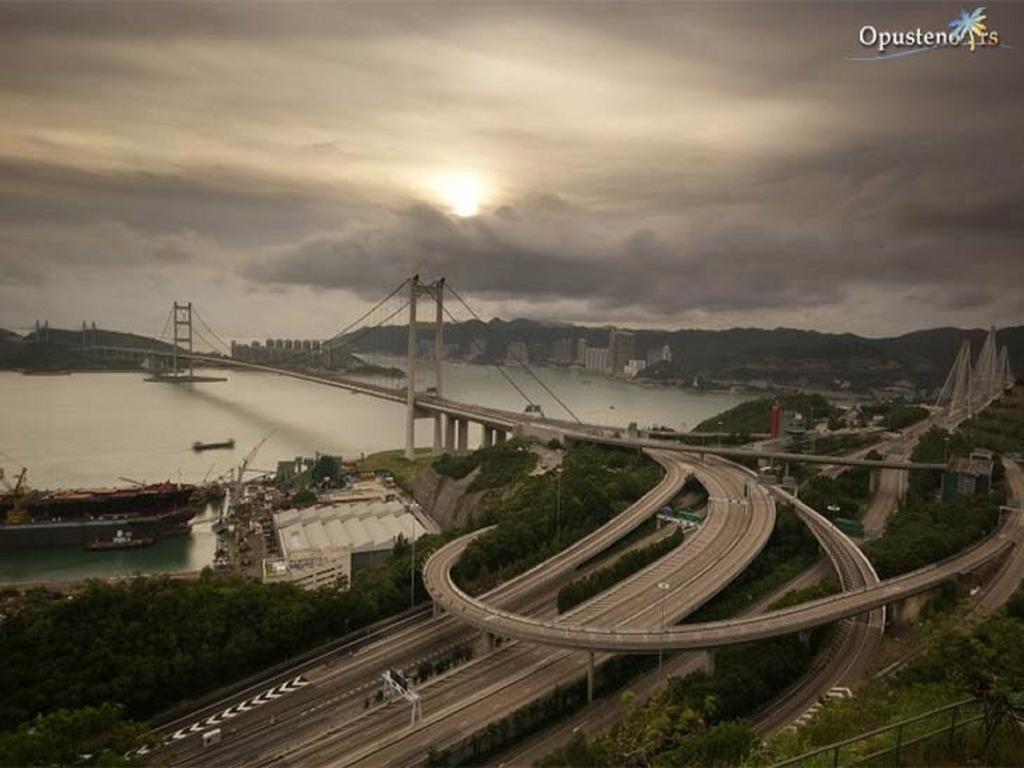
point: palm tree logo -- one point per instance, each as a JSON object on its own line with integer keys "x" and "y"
{"x": 969, "y": 24}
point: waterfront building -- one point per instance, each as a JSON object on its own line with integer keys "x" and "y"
{"x": 597, "y": 360}
{"x": 621, "y": 349}
{"x": 347, "y": 531}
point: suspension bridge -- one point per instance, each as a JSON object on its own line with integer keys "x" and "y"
{"x": 396, "y": 349}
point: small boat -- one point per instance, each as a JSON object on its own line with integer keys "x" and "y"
{"x": 120, "y": 540}
{"x": 201, "y": 446}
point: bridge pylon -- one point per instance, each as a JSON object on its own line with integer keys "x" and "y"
{"x": 182, "y": 336}
{"x": 434, "y": 293}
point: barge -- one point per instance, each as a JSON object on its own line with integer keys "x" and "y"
{"x": 83, "y": 516}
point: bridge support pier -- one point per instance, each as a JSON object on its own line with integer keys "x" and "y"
{"x": 488, "y": 438}
{"x": 873, "y": 480}
{"x": 708, "y": 662}
{"x": 438, "y": 609}
{"x": 438, "y": 433}
{"x": 463, "y": 428}
{"x": 449, "y": 434}
{"x": 590, "y": 678}
{"x": 499, "y": 436}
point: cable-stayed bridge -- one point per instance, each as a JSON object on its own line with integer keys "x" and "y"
{"x": 364, "y": 357}
{"x": 970, "y": 387}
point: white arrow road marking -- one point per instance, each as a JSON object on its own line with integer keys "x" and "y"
{"x": 235, "y": 710}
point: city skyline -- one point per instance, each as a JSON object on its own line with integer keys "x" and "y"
{"x": 661, "y": 167}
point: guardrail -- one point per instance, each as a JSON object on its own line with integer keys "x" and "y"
{"x": 905, "y": 733}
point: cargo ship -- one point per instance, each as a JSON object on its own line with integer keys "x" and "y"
{"x": 83, "y": 516}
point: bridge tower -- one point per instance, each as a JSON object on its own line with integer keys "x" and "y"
{"x": 433, "y": 293}
{"x": 182, "y": 335}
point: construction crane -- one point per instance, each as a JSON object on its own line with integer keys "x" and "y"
{"x": 244, "y": 467}
{"x": 17, "y": 493}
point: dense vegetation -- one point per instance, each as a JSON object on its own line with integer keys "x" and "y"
{"x": 499, "y": 465}
{"x": 693, "y": 721}
{"x": 151, "y": 642}
{"x": 999, "y": 427}
{"x": 922, "y": 532}
{"x": 542, "y": 516}
{"x": 755, "y": 415}
{"x": 848, "y": 491}
{"x": 626, "y": 565}
{"x": 896, "y": 416}
{"x": 62, "y": 737}
{"x": 987, "y": 660}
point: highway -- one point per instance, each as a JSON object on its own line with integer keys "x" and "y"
{"x": 855, "y": 641}
{"x": 1008, "y": 578}
{"x": 517, "y": 674}
{"x": 698, "y": 636}
{"x": 346, "y": 682}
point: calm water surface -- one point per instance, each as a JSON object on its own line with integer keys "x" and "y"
{"x": 92, "y": 429}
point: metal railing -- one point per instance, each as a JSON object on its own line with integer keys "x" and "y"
{"x": 906, "y": 733}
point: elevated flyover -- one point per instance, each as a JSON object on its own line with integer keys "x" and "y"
{"x": 814, "y": 613}
{"x": 501, "y": 682}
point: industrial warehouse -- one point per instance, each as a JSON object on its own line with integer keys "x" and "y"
{"x": 346, "y": 531}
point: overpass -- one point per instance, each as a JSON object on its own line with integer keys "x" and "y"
{"x": 814, "y": 613}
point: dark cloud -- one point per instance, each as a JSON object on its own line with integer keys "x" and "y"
{"x": 666, "y": 163}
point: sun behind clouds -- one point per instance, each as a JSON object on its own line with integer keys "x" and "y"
{"x": 462, "y": 192}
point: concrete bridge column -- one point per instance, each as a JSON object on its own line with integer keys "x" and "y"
{"x": 438, "y": 433}
{"x": 488, "y": 439}
{"x": 708, "y": 661}
{"x": 449, "y": 433}
{"x": 874, "y": 476}
{"x": 499, "y": 436}
{"x": 463, "y": 438}
{"x": 590, "y": 678}
{"x": 438, "y": 609}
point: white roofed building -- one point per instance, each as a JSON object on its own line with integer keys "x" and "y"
{"x": 344, "y": 533}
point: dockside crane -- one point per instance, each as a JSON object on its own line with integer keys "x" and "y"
{"x": 16, "y": 491}
{"x": 238, "y": 484}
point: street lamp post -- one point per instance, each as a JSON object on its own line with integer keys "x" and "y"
{"x": 558, "y": 498}
{"x": 412, "y": 565}
{"x": 664, "y": 586}
{"x": 833, "y": 510}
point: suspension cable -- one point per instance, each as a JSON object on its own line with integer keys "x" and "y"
{"x": 518, "y": 359}
{"x": 496, "y": 367}
{"x": 224, "y": 344}
{"x": 167, "y": 324}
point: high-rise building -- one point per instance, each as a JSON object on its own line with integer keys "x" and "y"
{"x": 562, "y": 352}
{"x": 634, "y": 367}
{"x": 597, "y": 360}
{"x": 620, "y": 349}
{"x": 580, "y": 356}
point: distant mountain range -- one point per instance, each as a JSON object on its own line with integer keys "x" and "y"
{"x": 59, "y": 348}
{"x": 780, "y": 356}
{"x": 777, "y": 357}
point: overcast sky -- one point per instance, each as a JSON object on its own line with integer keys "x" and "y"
{"x": 668, "y": 165}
